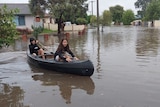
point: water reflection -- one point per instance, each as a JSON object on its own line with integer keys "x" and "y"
{"x": 148, "y": 43}
{"x": 98, "y": 53}
{"x": 65, "y": 82}
{"x": 11, "y": 96}
{"x": 147, "y": 46}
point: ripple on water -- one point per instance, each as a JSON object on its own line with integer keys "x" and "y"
{"x": 13, "y": 62}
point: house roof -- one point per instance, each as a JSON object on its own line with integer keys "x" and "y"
{"x": 23, "y": 8}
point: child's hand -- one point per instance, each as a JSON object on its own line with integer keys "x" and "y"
{"x": 36, "y": 41}
{"x": 76, "y": 58}
{"x": 68, "y": 59}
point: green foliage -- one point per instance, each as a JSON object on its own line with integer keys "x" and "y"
{"x": 153, "y": 11}
{"x": 37, "y": 31}
{"x": 71, "y": 9}
{"x": 117, "y": 12}
{"x": 142, "y": 4}
{"x": 47, "y": 31}
{"x": 106, "y": 18}
{"x": 37, "y": 7}
{"x": 81, "y": 21}
{"x": 93, "y": 20}
{"x": 128, "y": 17}
{"x": 8, "y": 32}
{"x": 61, "y": 10}
{"x": 88, "y": 18}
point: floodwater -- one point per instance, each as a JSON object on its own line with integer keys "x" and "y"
{"x": 127, "y": 71}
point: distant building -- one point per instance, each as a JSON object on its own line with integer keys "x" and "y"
{"x": 137, "y": 22}
{"x": 24, "y": 19}
{"x": 48, "y": 19}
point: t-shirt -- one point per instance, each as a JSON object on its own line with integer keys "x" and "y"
{"x": 34, "y": 48}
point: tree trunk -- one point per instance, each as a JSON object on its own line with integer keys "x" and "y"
{"x": 60, "y": 23}
{"x": 59, "y": 27}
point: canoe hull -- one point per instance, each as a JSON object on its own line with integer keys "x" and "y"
{"x": 84, "y": 68}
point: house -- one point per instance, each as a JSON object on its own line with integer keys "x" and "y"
{"x": 24, "y": 19}
{"x": 48, "y": 19}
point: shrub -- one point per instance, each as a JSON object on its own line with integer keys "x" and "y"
{"x": 81, "y": 21}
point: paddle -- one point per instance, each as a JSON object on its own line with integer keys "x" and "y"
{"x": 41, "y": 45}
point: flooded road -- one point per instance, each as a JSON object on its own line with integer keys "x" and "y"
{"x": 126, "y": 62}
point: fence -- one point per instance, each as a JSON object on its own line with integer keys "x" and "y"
{"x": 72, "y": 27}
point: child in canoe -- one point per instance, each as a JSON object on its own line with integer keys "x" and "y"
{"x": 35, "y": 49}
{"x": 63, "y": 52}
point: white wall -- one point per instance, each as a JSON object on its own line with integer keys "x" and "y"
{"x": 66, "y": 28}
{"x": 48, "y": 20}
{"x": 28, "y": 22}
{"x": 157, "y": 23}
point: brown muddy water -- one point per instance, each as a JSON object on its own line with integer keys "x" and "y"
{"x": 127, "y": 72}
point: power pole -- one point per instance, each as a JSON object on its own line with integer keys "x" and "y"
{"x": 98, "y": 15}
{"x": 92, "y": 6}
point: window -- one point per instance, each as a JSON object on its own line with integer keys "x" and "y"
{"x": 16, "y": 20}
{"x": 19, "y": 20}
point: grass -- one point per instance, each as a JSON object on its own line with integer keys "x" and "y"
{"x": 47, "y": 31}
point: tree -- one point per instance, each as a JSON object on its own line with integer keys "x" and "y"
{"x": 88, "y": 18}
{"x": 117, "y": 12}
{"x": 57, "y": 9}
{"x": 8, "y": 32}
{"x": 153, "y": 11}
{"x": 93, "y": 20}
{"x": 128, "y": 17}
{"x": 61, "y": 10}
{"x": 75, "y": 9}
{"x": 107, "y": 18}
{"x": 67, "y": 10}
{"x": 37, "y": 7}
{"x": 81, "y": 21}
{"x": 142, "y": 5}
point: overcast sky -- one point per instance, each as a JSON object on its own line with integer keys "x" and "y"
{"x": 103, "y": 4}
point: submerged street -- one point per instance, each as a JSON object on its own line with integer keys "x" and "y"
{"x": 126, "y": 60}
